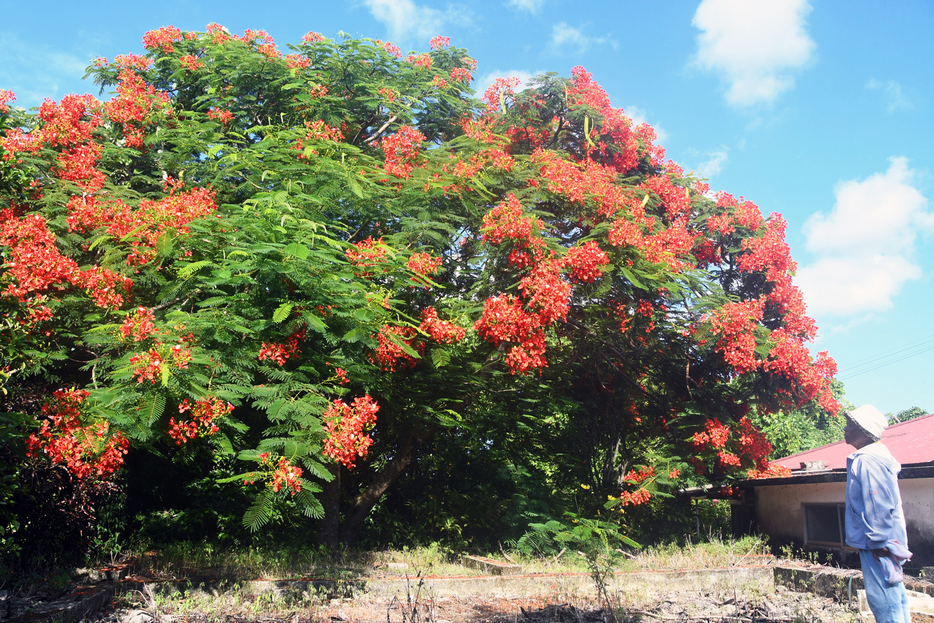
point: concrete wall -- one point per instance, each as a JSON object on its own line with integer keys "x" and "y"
{"x": 779, "y": 512}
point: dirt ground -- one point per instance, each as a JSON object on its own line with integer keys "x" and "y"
{"x": 783, "y": 606}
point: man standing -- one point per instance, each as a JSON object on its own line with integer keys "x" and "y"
{"x": 875, "y": 524}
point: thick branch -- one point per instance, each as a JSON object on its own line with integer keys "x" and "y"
{"x": 379, "y": 132}
{"x": 364, "y": 503}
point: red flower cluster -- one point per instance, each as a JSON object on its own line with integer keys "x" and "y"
{"x": 312, "y": 37}
{"x": 625, "y": 152}
{"x": 136, "y": 101}
{"x": 391, "y": 49}
{"x": 163, "y": 38}
{"x": 191, "y": 62}
{"x": 286, "y": 476}
{"x": 35, "y": 264}
{"x": 459, "y": 74}
{"x": 586, "y": 262}
{"x": 441, "y": 331}
{"x": 675, "y": 199}
{"x": 148, "y": 365}
{"x": 401, "y": 150}
{"x": 746, "y": 445}
{"x": 507, "y": 221}
{"x": 439, "y": 42}
{"x": 505, "y": 320}
{"x": 546, "y": 292}
{"x": 495, "y": 94}
{"x": 220, "y": 115}
{"x": 347, "y": 428}
{"x": 6, "y": 98}
{"x": 132, "y": 61}
{"x": 423, "y": 265}
{"x": 85, "y": 450}
{"x": 389, "y": 352}
{"x": 366, "y": 253}
{"x": 204, "y": 414}
{"x": 297, "y": 61}
{"x": 218, "y": 33}
{"x": 772, "y": 470}
{"x": 142, "y": 226}
{"x": 640, "y": 475}
{"x": 716, "y": 435}
{"x": 419, "y": 60}
{"x": 280, "y": 353}
{"x": 735, "y": 323}
{"x": 317, "y": 131}
{"x": 634, "y": 498}
{"x": 139, "y": 325}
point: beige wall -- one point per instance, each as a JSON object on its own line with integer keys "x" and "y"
{"x": 779, "y": 511}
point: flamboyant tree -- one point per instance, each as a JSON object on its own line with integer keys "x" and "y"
{"x": 324, "y": 261}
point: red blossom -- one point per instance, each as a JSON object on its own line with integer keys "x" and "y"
{"x": 163, "y": 38}
{"x": 280, "y": 353}
{"x": 401, "y": 150}
{"x": 459, "y": 74}
{"x": 366, "y": 253}
{"x": 440, "y": 331}
{"x": 204, "y": 414}
{"x": 138, "y": 325}
{"x": 191, "y": 62}
{"x": 390, "y": 352}
{"x": 423, "y": 265}
{"x": 346, "y": 428}
{"x": 496, "y": 92}
{"x": 586, "y": 262}
{"x": 86, "y": 450}
{"x": 219, "y": 114}
{"x": 134, "y": 105}
{"x": 6, "y": 98}
{"x": 439, "y": 42}
{"x": 734, "y": 325}
{"x": 286, "y": 476}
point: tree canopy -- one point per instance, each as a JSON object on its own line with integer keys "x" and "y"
{"x": 329, "y": 271}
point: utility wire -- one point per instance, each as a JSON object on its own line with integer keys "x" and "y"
{"x": 886, "y": 354}
{"x": 881, "y": 362}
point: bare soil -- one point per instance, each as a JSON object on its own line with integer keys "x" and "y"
{"x": 782, "y": 606}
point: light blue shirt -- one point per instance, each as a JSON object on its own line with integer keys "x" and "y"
{"x": 873, "y": 504}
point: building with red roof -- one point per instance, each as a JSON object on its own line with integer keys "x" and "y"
{"x": 806, "y": 509}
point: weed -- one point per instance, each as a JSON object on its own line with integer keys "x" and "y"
{"x": 414, "y": 611}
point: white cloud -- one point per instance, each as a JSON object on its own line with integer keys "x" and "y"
{"x": 638, "y": 117}
{"x": 714, "y": 163}
{"x": 753, "y": 45}
{"x": 894, "y": 92}
{"x": 866, "y": 246}
{"x": 35, "y": 72}
{"x": 406, "y": 20}
{"x": 564, "y": 35}
{"x": 484, "y": 82}
{"x": 530, "y": 6}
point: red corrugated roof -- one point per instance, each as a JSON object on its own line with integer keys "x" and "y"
{"x": 909, "y": 442}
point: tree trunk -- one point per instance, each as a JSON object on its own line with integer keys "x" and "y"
{"x": 330, "y": 499}
{"x": 367, "y": 499}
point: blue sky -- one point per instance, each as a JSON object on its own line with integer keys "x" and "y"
{"x": 821, "y": 111}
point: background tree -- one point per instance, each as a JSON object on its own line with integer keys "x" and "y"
{"x": 342, "y": 283}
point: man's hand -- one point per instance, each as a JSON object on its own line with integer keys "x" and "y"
{"x": 881, "y": 553}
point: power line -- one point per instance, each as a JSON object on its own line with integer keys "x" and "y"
{"x": 859, "y": 363}
{"x": 883, "y": 364}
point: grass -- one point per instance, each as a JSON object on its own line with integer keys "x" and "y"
{"x": 200, "y": 563}
{"x": 237, "y": 597}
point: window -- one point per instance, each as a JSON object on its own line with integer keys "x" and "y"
{"x": 825, "y": 524}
